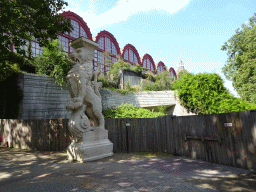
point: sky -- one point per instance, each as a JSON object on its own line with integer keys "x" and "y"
{"x": 194, "y": 30}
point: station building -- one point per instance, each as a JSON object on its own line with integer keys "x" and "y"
{"x": 107, "y": 42}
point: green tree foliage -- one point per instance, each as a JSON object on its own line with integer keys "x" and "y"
{"x": 54, "y": 63}
{"x": 182, "y": 72}
{"x": 161, "y": 81}
{"x": 137, "y": 68}
{"x": 24, "y": 20}
{"x": 241, "y": 63}
{"x": 205, "y": 94}
{"x": 130, "y": 111}
{"x": 116, "y": 67}
{"x": 107, "y": 83}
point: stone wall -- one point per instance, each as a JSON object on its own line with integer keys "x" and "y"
{"x": 143, "y": 99}
{"x": 44, "y": 99}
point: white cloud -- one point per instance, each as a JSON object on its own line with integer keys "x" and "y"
{"x": 123, "y": 10}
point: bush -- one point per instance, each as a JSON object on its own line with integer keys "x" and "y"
{"x": 130, "y": 111}
{"x": 205, "y": 94}
{"x": 107, "y": 83}
{"x": 162, "y": 82}
{"x": 53, "y": 63}
{"x": 137, "y": 68}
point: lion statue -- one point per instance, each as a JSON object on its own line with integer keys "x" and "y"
{"x": 86, "y": 99}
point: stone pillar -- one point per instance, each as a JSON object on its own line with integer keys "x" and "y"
{"x": 87, "y": 125}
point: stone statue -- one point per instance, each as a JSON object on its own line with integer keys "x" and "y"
{"x": 87, "y": 121}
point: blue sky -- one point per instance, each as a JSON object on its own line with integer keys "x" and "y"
{"x": 194, "y": 30}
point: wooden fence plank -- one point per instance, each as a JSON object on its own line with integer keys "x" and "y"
{"x": 150, "y": 137}
{"x": 163, "y": 134}
{"x": 237, "y": 139}
{"x": 247, "y": 134}
{"x": 168, "y": 133}
{"x": 138, "y": 135}
{"x": 155, "y": 134}
{"x": 144, "y": 135}
{"x": 173, "y": 136}
{"x": 176, "y": 135}
{"x": 216, "y": 124}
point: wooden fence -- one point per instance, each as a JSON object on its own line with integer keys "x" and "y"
{"x": 38, "y": 134}
{"x": 203, "y": 137}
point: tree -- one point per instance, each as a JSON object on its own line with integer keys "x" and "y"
{"x": 204, "y": 93}
{"x": 182, "y": 72}
{"x": 241, "y": 63}
{"x": 54, "y": 63}
{"x": 23, "y": 20}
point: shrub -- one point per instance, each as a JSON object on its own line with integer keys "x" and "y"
{"x": 130, "y": 111}
{"x": 53, "y": 63}
{"x": 205, "y": 94}
{"x": 137, "y": 68}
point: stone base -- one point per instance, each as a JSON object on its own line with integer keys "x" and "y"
{"x": 95, "y": 145}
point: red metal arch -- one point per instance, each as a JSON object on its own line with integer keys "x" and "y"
{"x": 171, "y": 69}
{"x": 77, "y": 18}
{"x": 160, "y": 63}
{"x": 129, "y": 46}
{"x": 145, "y": 56}
{"x": 111, "y": 37}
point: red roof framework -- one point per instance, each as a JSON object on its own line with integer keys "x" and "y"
{"x": 111, "y": 37}
{"x": 147, "y": 56}
{"x": 173, "y": 71}
{"x": 131, "y": 47}
{"x": 71, "y": 15}
{"x": 160, "y": 63}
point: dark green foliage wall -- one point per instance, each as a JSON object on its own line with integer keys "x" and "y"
{"x": 10, "y": 97}
{"x": 204, "y": 93}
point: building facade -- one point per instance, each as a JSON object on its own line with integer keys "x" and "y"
{"x": 107, "y": 42}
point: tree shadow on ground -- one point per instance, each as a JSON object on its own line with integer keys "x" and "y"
{"x": 227, "y": 183}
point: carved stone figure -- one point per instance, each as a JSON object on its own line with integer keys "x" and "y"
{"x": 87, "y": 121}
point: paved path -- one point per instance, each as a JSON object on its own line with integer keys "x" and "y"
{"x": 47, "y": 171}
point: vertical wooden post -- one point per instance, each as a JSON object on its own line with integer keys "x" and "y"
{"x": 127, "y": 141}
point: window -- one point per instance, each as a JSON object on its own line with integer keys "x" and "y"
{"x": 107, "y": 45}
{"x": 100, "y": 57}
{"x": 36, "y": 49}
{"x": 95, "y": 60}
{"x": 126, "y": 55}
{"x": 171, "y": 74}
{"x": 82, "y": 32}
{"x": 75, "y": 32}
{"x": 145, "y": 63}
{"x": 135, "y": 60}
{"x": 130, "y": 55}
{"x": 161, "y": 68}
{"x": 114, "y": 60}
{"x": 101, "y": 43}
{"x": 148, "y": 65}
{"x": 64, "y": 41}
{"x": 114, "y": 52}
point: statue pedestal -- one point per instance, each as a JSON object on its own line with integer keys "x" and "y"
{"x": 95, "y": 145}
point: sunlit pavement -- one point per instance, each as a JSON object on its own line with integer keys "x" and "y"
{"x": 25, "y": 171}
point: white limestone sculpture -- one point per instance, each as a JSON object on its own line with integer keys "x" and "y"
{"x": 87, "y": 123}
